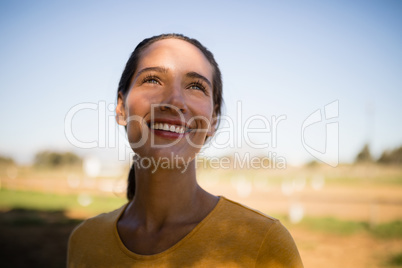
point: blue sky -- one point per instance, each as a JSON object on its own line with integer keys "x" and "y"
{"x": 277, "y": 58}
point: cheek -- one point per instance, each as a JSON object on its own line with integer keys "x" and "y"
{"x": 202, "y": 116}
{"x": 134, "y": 128}
{"x": 138, "y": 104}
{"x": 137, "y": 107}
{"x": 205, "y": 112}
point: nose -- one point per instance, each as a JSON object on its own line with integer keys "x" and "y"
{"x": 174, "y": 99}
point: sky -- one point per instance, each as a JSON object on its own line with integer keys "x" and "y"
{"x": 281, "y": 61}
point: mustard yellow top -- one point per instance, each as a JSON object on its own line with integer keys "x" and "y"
{"x": 232, "y": 235}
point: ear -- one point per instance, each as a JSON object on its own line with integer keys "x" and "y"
{"x": 214, "y": 122}
{"x": 120, "y": 111}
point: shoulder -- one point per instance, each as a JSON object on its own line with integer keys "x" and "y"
{"x": 90, "y": 229}
{"x": 92, "y": 237}
{"x": 238, "y": 224}
{"x": 245, "y": 214}
{"x": 99, "y": 221}
{"x": 276, "y": 247}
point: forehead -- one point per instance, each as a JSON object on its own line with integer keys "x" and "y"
{"x": 176, "y": 55}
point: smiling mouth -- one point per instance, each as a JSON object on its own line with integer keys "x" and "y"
{"x": 169, "y": 127}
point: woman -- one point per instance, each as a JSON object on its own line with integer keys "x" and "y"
{"x": 169, "y": 98}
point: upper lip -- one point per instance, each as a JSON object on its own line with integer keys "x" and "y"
{"x": 169, "y": 121}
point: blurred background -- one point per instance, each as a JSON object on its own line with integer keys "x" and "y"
{"x": 312, "y": 94}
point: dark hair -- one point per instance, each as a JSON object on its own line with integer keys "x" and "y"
{"x": 131, "y": 67}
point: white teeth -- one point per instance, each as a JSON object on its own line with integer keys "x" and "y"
{"x": 166, "y": 127}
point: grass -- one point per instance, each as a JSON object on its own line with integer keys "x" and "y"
{"x": 388, "y": 230}
{"x": 51, "y": 202}
{"x": 395, "y": 260}
{"x": 327, "y": 225}
{"x": 332, "y": 225}
{"x": 28, "y": 217}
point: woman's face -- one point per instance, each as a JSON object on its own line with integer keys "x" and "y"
{"x": 169, "y": 108}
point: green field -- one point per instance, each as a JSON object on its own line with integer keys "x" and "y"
{"x": 92, "y": 204}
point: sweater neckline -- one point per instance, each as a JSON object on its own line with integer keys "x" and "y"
{"x": 172, "y": 248}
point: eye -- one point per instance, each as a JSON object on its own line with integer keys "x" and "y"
{"x": 197, "y": 86}
{"x": 151, "y": 79}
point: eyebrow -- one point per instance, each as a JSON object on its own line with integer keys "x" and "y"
{"x": 155, "y": 69}
{"x": 197, "y": 75}
{"x": 165, "y": 70}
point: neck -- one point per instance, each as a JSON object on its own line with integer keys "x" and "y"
{"x": 165, "y": 196}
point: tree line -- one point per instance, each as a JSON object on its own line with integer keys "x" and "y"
{"x": 393, "y": 157}
{"x": 53, "y": 159}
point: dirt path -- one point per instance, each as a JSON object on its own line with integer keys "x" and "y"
{"x": 358, "y": 250}
{"x": 371, "y": 203}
